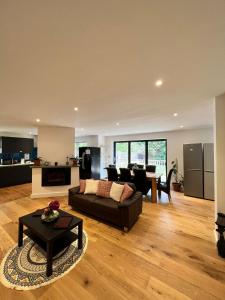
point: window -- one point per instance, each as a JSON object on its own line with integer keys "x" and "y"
{"x": 77, "y": 146}
{"x": 157, "y": 156}
{"x": 121, "y": 154}
{"x": 147, "y": 152}
{"x": 137, "y": 152}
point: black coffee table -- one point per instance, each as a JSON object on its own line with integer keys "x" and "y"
{"x": 51, "y": 240}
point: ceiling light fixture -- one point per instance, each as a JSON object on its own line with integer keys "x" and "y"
{"x": 76, "y": 108}
{"x": 38, "y": 120}
{"x": 158, "y": 82}
{"x": 181, "y": 126}
{"x": 175, "y": 114}
{"x": 117, "y": 124}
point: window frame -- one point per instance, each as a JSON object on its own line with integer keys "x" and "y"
{"x": 146, "y": 149}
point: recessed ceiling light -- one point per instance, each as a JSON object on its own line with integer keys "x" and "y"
{"x": 158, "y": 82}
{"x": 181, "y": 126}
{"x": 117, "y": 124}
{"x": 175, "y": 114}
{"x": 38, "y": 120}
{"x": 76, "y": 108}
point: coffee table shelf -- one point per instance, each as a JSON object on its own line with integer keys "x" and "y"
{"x": 62, "y": 243}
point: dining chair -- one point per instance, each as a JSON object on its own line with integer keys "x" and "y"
{"x": 140, "y": 166}
{"x": 165, "y": 187}
{"x": 125, "y": 175}
{"x": 130, "y": 166}
{"x": 150, "y": 168}
{"x": 112, "y": 166}
{"x": 112, "y": 174}
{"x": 140, "y": 181}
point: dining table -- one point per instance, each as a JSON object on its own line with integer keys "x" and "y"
{"x": 153, "y": 177}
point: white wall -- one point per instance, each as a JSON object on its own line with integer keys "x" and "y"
{"x": 219, "y": 144}
{"x": 55, "y": 143}
{"x": 175, "y": 141}
{"x": 91, "y": 140}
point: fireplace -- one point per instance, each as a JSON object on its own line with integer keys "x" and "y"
{"x": 55, "y": 176}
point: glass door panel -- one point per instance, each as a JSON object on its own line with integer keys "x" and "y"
{"x": 157, "y": 157}
{"x": 121, "y": 154}
{"x": 137, "y": 152}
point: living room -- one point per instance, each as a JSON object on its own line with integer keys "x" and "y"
{"x": 90, "y": 90}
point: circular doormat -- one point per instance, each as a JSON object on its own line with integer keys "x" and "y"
{"x": 24, "y": 268}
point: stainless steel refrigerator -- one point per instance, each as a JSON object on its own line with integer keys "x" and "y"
{"x": 193, "y": 170}
{"x": 208, "y": 150}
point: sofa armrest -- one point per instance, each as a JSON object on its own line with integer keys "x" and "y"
{"x": 136, "y": 197}
{"x": 130, "y": 210}
{"x": 74, "y": 190}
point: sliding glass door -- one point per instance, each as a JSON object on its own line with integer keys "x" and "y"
{"x": 147, "y": 152}
{"x": 121, "y": 154}
{"x": 157, "y": 156}
{"x": 137, "y": 152}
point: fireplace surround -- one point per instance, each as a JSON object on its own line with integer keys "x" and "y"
{"x": 56, "y": 176}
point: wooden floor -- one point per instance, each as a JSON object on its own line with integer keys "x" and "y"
{"x": 169, "y": 254}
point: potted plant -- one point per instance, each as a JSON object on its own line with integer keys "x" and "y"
{"x": 37, "y": 161}
{"x": 178, "y": 182}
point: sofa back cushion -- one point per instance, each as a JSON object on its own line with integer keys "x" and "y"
{"x": 116, "y": 191}
{"x": 82, "y": 186}
{"x": 127, "y": 192}
{"x": 91, "y": 186}
{"x": 104, "y": 188}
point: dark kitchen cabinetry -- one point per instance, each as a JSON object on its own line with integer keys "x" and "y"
{"x": 15, "y": 144}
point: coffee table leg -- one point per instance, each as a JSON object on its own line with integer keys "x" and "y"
{"x": 20, "y": 234}
{"x": 80, "y": 235}
{"x": 49, "y": 259}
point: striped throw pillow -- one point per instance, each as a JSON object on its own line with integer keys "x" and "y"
{"x": 127, "y": 192}
{"x": 82, "y": 186}
{"x": 104, "y": 188}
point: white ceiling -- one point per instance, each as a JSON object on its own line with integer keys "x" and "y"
{"x": 104, "y": 57}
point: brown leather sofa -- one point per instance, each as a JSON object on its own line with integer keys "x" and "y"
{"x": 123, "y": 214}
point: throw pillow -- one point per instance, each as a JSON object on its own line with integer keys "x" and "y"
{"x": 82, "y": 186}
{"x": 116, "y": 191}
{"x": 104, "y": 188}
{"x": 127, "y": 192}
{"x": 91, "y": 186}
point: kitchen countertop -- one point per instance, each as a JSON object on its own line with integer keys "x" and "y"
{"x": 16, "y": 165}
{"x": 53, "y": 166}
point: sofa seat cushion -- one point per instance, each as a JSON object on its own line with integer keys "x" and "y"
{"x": 82, "y": 201}
{"x": 107, "y": 209}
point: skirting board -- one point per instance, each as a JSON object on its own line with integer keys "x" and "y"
{"x": 50, "y": 194}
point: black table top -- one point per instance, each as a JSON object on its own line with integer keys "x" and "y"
{"x": 46, "y": 230}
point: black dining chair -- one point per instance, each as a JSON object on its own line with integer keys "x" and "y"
{"x": 140, "y": 181}
{"x": 150, "y": 168}
{"x": 130, "y": 166}
{"x": 112, "y": 174}
{"x": 140, "y": 166}
{"x": 165, "y": 187}
{"x": 125, "y": 175}
{"x": 112, "y": 166}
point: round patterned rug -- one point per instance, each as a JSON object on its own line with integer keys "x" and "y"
{"x": 24, "y": 268}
